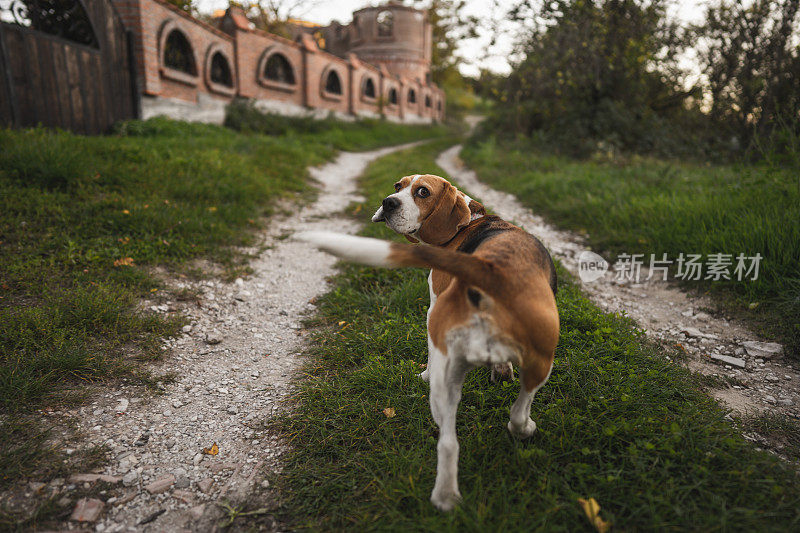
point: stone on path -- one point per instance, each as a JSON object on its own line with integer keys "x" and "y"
{"x": 87, "y": 510}
{"x": 160, "y": 485}
{"x": 205, "y": 485}
{"x": 765, "y": 350}
{"x": 91, "y": 478}
{"x": 733, "y": 361}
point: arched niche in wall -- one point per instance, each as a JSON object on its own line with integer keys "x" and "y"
{"x": 428, "y": 101}
{"x": 177, "y": 57}
{"x": 218, "y": 71}
{"x": 275, "y": 70}
{"x": 368, "y": 91}
{"x": 331, "y": 84}
{"x": 391, "y": 96}
{"x": 412, "y": 96}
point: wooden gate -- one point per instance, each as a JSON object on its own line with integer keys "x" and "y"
{"x": 65, "y": 64}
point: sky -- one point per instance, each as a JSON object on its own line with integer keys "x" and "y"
{"x": 476, "y": 52}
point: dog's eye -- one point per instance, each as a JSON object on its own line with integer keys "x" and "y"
{"x": 422, "y": 192}
{"x": 397, "y": 187}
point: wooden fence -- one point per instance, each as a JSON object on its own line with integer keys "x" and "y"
{"x": 65, "y": 64}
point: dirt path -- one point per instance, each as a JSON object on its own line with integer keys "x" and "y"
{"x": 750, "y": 381}
{"x": 232, "y": 368}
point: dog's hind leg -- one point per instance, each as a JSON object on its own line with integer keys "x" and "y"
{"x": 531, "y": 380}
{"x": 446, "y": 378}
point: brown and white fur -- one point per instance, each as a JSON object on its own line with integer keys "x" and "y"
{"x": 492, "y": 289}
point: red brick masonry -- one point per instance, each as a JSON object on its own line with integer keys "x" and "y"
{"x": 246, "y": 52}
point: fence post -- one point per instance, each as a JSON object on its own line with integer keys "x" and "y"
{"x": 12, "y": 98}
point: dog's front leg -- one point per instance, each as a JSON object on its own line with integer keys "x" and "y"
{"x": 446, "y": 378}
{"x": 425, "y": 374}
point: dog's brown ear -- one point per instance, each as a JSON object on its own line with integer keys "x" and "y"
{"x": 410, "y": 239}
{"x": 448, "y": 216}
{"x": 476, "y": 209}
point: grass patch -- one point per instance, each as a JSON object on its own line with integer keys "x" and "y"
{"x": 617, "y": 422}
{"x": 654, "y": 206}
{"x": 84, "y": 221}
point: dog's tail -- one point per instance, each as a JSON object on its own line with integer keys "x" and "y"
{"x": 375, "y": 252}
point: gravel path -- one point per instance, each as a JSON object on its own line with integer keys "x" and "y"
{"x": 756, "y": 380}
{"x": 233, "y": 368}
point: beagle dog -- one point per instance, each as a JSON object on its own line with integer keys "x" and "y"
{"x": 492, "y": 289}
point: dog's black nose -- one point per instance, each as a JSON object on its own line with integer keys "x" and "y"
{"x": 390, "y": 204}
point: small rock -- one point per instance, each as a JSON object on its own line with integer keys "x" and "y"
{"x": 232, "y": 410}
{"x": 87, "y": 510}
{"x": 182, "y": 482}
{"x": 239, "y": 281}
{"x": 130, "y": 478}
{"x": 762, "y": 349}
{"x": 702, "y": 316}
{"x": 122, "y": 406}
{"x": 177, "y": 404}
{"x": 733, "y": 361}
{"x": 160, "y": 485}
{"x": 687, "y": 313}
{"x": 197, "y": 458}
{"x": 770, "y": 399}
{"x": 693, "y": 332}
{"x": 205, "y": 485}
{"x": 213, "y": 337}
{"x": 772, "y": 378}
{"x": 143, "y": 438}
{"x": 91, "y": 478}
{"x": 36, "y": 486}
{"x": 196, "y": 512}
{"x": 785, "y": 401}
{"x": 187, "y": 328}
{"x": 184, "y": 496}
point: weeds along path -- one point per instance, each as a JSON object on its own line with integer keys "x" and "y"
{"x": 232, "y": 370}
{"x": 754, "y": 383}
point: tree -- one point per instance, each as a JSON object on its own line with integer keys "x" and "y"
{"x": 599, "y": 70}
{"x": 751, "y": 59}
{"x": 273, "y": 15}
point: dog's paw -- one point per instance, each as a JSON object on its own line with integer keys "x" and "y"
{"x": 424, "y": 376}
{"x": 522, "y": 432}
{"x": 445, "y": 500}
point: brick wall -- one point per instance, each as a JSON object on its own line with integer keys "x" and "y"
{"x": 247, "y": 53}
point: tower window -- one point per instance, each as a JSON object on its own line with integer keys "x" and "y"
{"x": 412, "y": 96}
{"x": 393, "y": 96}
{"x": 385, "y": 22}
{"x": 427, "y": 100}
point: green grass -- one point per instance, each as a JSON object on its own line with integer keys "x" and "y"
{"x": 84, "y": 221}
{"x": 617, "y": 422}
{"x": 655, "y": 206}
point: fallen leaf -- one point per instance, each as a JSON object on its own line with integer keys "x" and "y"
{"x": 126, "y": 212}
{"x": 389, "y": 412}
{"x": 592, "y": 510}
{"x": 342, "y": 323}
{"x": 125, "y": 261}
{"x": 214, "y": 450}
{"x": 753, "y": 305}
{"x": 212, "y": 209}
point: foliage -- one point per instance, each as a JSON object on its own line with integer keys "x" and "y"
{"x": 611, "y": 74}
{"x": 617, "y": 422}
{"x": 751, "y": 59}
{"x": 595, "y": 71}
{"x": 653, "y": 206}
